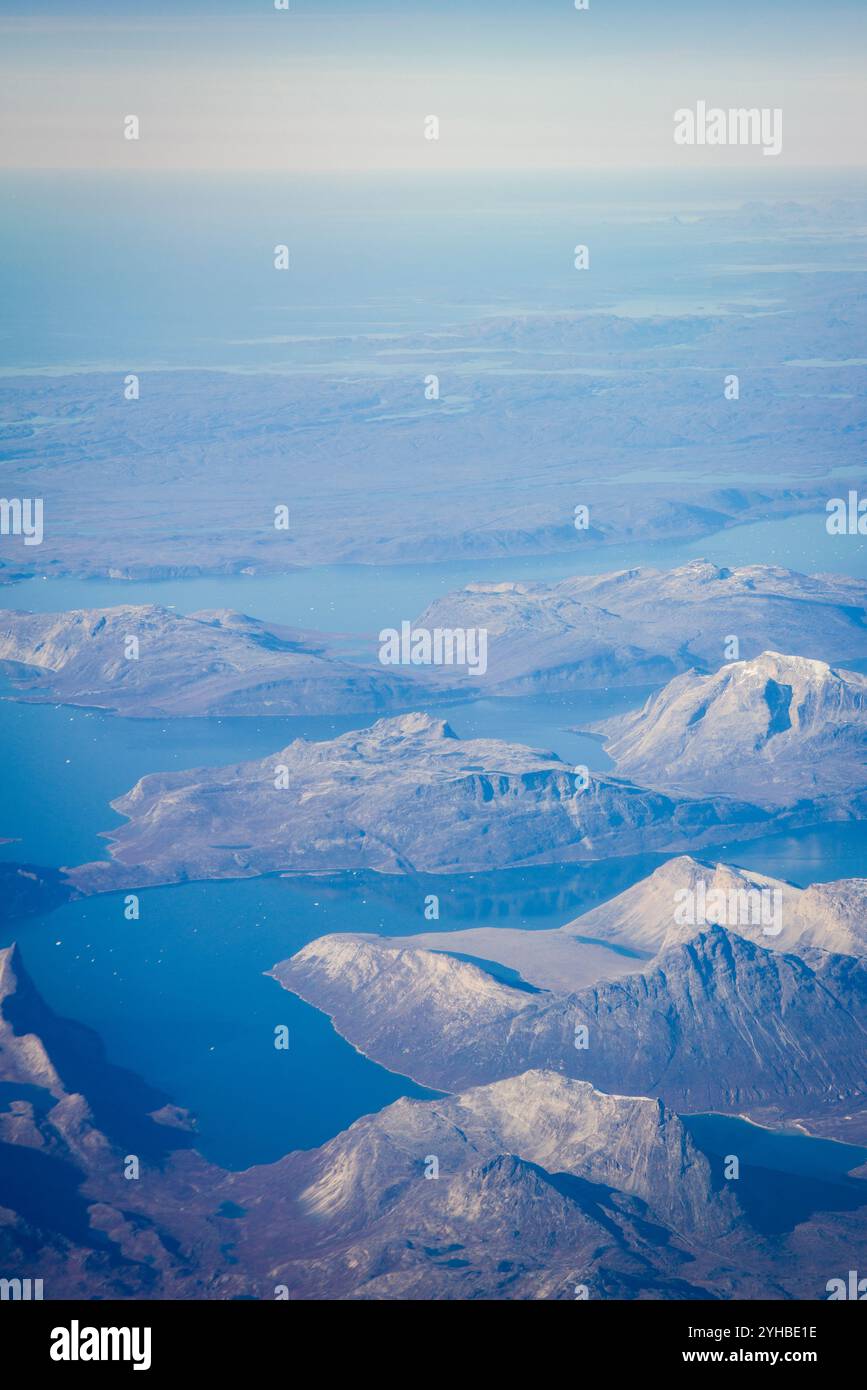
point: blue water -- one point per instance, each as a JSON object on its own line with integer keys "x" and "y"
{"x": 783, "y": 1177}
{"x": 179, "y": 996}
{"x": 817, "y": 854}
{"x": 362, "y": 599}
{"x": 63, "y": 765}
{"x": 825, "y": 1159}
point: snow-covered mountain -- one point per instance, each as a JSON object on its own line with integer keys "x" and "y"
{"x": 714, "y": 1023}
{"x": 650, "y": 915}
{"x": 532, "y": 1187}
{"x": 673, "y": 904}
{"x": 777, "y": 729}
{"x": 538, "y": 1183}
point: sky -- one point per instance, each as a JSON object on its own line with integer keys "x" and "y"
{"x": 343, "y": 85}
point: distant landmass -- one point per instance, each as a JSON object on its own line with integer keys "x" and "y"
{"x": 171, "y": 458}
{"x": 625, "y": 628}
{"x": 640, "y": 626}
{"x": 148, "y": 661}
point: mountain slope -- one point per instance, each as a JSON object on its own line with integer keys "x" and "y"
{"x": 525, "y": 1189}
{"x": 777, "y": 729}
{"x": 716, "y": 1023}
{"x": 403, "y": 795}
{"x": 640, "y": 626}
{"x": 619, "y": 936}
{"x": 209, "y": 663}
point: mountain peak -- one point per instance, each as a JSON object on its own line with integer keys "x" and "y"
{"x": 413, "y": 725}
{"x": 781, "y": 661}
{"x": 778, "y": 728}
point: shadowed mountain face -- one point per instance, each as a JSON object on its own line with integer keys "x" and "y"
{"x": 779, "y": 729}
{"x": 643, "y": 625}
{"x": 538, "y": 1186}
{"x": 68, "y": 1060}
{"x": 545, "y": 1167}
{"x": 517, "y": 1190}
{"x": 793, "y": 1035}
{"x": 403, "y": 795}
{"x": 28, "y": 890}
